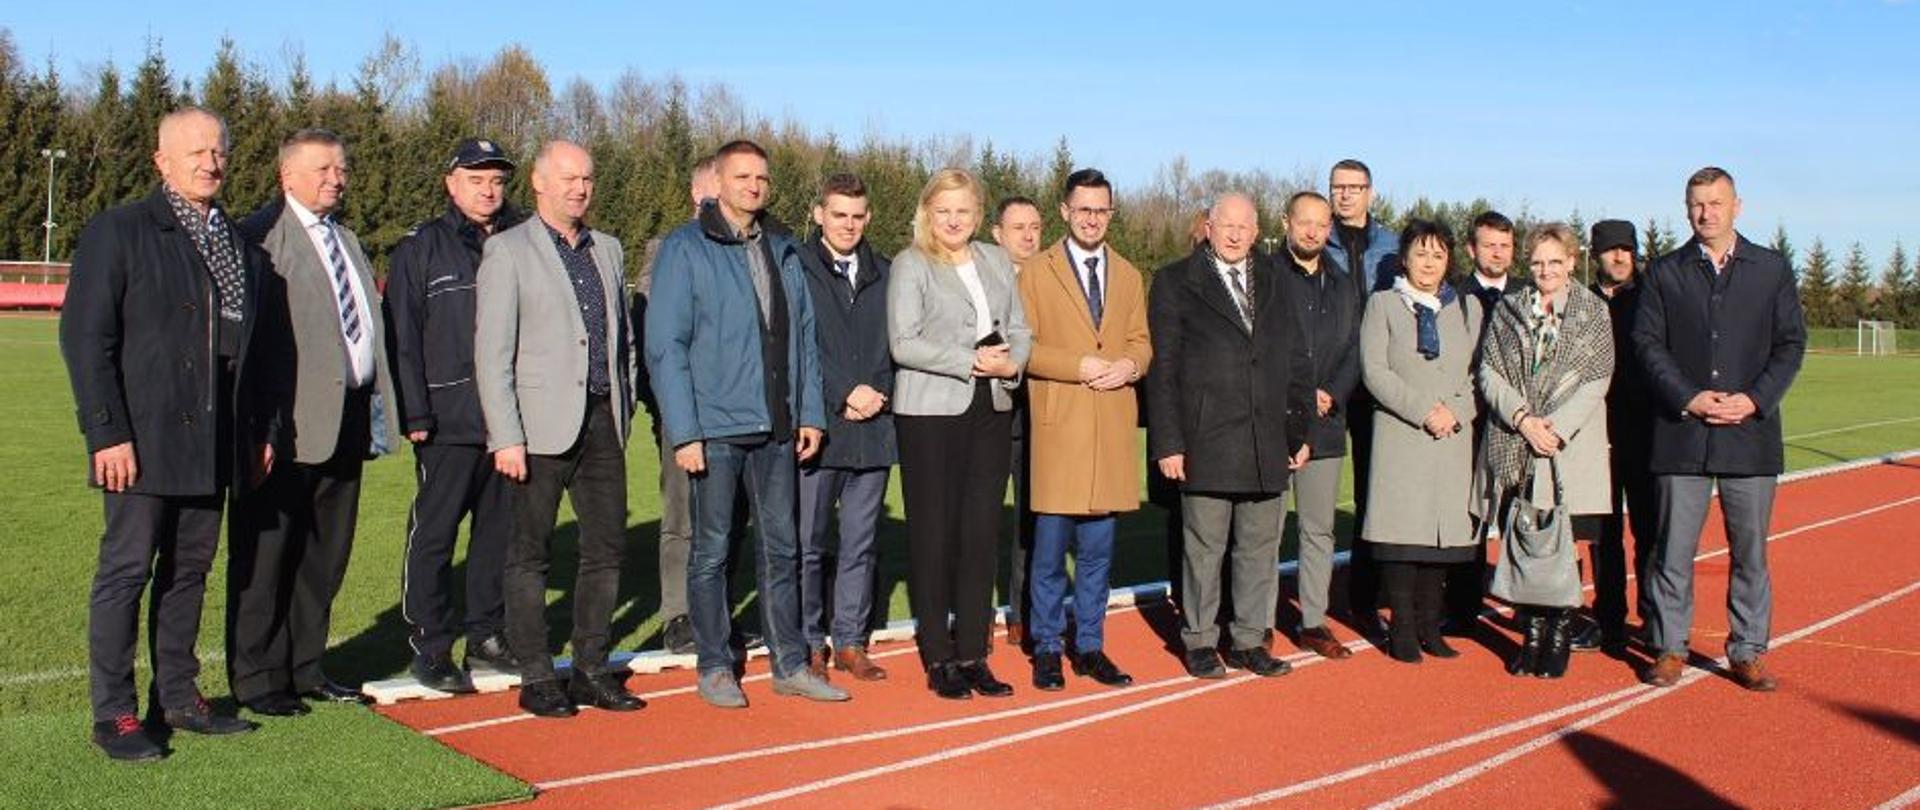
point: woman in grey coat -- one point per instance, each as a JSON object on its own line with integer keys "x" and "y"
{"x": 1417, "y": 350}
{"x": 1546, "y": 365}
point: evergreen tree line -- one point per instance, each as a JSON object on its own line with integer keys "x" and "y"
{"x": 401, "y": 120}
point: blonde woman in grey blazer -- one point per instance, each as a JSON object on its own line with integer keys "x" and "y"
{"x": 1417, "y": 352}
{"x": 958, "y": 333}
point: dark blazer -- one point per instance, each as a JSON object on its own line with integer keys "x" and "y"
{"x": 1234, "y": 402}
{"x": 137, "y": 332}
{"x": 429, "y": 309}
{"x": 1326, "y": 309}
{"x": 850, "y": 327}
{"x": 1629, "y": 414}
{"x": 1740, "y": 331}
{"x": 1489, "y": 296}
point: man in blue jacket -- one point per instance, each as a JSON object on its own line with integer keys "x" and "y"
{"x": 730, "y": 349}
{"x": 1720, "y": 335}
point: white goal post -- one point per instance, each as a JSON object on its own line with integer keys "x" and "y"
{"x": 1875, "y": 338}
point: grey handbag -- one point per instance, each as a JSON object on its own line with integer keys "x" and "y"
{"x": 1539, "y": 564}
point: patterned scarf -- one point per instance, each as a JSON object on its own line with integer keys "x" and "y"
{"x": 1546, "y": 356}
{"x": 214, "y": 241}
{"x": 1426, "y": 313}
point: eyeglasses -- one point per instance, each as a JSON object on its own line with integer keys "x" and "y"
{"x": 1090, "y": 213}
{"x": 1350, "y": 188}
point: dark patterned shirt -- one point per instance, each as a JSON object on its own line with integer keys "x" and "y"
{"x": 589, "y": 293}
{"x": 214, "y": 242}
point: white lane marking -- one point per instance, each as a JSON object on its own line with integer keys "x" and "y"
{"x": 1851, "y": 428}
{"x": 1692, "y": 676}
{"x": 1903, "y": 800}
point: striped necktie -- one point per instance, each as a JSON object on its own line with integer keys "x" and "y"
{"x": 337, "y": 261}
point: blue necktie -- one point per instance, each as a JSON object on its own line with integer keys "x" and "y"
{"x": 1096, "y": 303}
{"x": 337, "y": 260}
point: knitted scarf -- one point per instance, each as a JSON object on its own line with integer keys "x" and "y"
{"x": 1546, "y": 356}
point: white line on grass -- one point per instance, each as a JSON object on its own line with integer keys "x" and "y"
{"x": 1851, "y": 428}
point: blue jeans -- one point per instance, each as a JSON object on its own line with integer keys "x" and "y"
{"x": 770, "y": 475}
{"x": 1091, "y": 539}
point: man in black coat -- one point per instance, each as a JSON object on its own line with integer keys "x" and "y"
{"x": 1490, "y": 245}
{"x": 1720, "y": 336}
{"x": 848, "y": 282}
{"x": 429, "y": 309}
{"x": 156, "y": 331}
{"x": 1227, "y": 405}
{"x": 1629, "y": 427}
{"x": 1328, "y": 316}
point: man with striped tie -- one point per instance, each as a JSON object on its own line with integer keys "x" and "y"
{"x": 290, "y": 548}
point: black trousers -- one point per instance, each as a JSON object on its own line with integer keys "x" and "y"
{"x": 953, "y": 476}
{"x": 287, "y": 560}
{"x": 593, "y": 475}
{"x": 168, "y": 542}
{"x": 455, "y": 480}
{"x": 1466, "y": 583}
{"x": 1363, "y": 572}
{"x": 1634, "y": 509}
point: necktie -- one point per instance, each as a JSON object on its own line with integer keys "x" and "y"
{"x": 337, "y": 260}
{"x": 1096, "y": 302}
{"x": 844, "y": 267}
{"x": 1241, "y": 296}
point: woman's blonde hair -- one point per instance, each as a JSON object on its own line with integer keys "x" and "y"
{"x": 1558, "y": 232}
{"x": 944, "y": 180}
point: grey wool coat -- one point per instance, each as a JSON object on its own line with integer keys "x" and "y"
{"x": 1586, "y": 470}
{"x": 1421, "y": 486}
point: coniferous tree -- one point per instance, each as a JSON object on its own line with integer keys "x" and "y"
{"x": 1898, "y": 290}
{"x": 1854, "y": 293}
{"x": 1816, "y": 288}
{"x": 1784, "y": 246}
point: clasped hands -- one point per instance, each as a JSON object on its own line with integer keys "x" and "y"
{"x": 864, "y": 403}
{"x": 1107, "y": 375}
{"x": 994, "y": 361}
{"x": 1721, "y": 407}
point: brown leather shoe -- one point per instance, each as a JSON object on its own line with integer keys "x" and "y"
{"x": 1016, "y": 634}
{"x": 817, "y": 659}
{"x": 1666, "y": 670}
{"x": 854, "y": 660}
{"x": 1753, "y": 675}
{"x": 1322, "y": 642}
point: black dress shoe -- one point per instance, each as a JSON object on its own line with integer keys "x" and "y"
{"x": 330, "y": 692}
{"x": 200, "y": 718}
{"x": 491, "y": 653}
{"x": 1205, "y": 663}
{"x": 604, "y": 691}
{"x": 277, "y": 704}
{"x": 1046, "y": 672}
{"x": 677, "y": 637}
{"x": 1098, "y": 666}
{"x": 546, "y": 699}
{"x": 946, "y": 681}
{"x": 439, "y": 674}
{"x": 1258, "y": 661}
{"x": 1587, "y": 640}
{"x": 981, "y": 680}
{"x": 123, "y": 739}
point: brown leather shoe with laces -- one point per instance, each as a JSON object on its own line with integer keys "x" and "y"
{"x": 1666, "y": 670}
{"x": 1322, "y": 642}
{"x": 854, "y": 660}
{"x": 1753, "y": 675}
{"x": 817, "y": 659}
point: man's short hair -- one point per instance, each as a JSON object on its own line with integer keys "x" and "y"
{"x": 706, "y": 164}
{"x": 1085, "y": 178}
{"x": 844, "y": 184}
{"x": 1419, "y": 230}
{"x": 741, "y": 146}
{"x": 1491, "y": 220}
{"x": 1000, "y": 211}
{"x": 1708, "y": 176}
{"x": 1350, "y": 164}
{"x": 319, "y": 136}
{"x": 1294, "y": 201}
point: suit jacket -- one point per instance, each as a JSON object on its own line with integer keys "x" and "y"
{"x": 1741, "y": 331}
{"x": 137, "y": 330}
{"x": 304, "y": 316}
{"x": 850, "y": 325}
{"x": 930, "y": 326}
{"x": 1236, "y": 403}
{"x": 1084, "y": 444}
{"x": 530, "y": 343}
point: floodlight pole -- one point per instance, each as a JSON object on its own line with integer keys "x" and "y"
{"x": 46, "y": 253}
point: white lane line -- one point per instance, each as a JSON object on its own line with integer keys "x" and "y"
{"x": 1851, "y": 428}
{"x": 1692, "y": 676}
{"x": 1906, "y": 799}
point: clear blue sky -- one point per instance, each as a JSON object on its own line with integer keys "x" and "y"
{"x": 1546, "y": 106}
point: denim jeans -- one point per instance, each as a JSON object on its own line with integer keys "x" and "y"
{"x": 769, "y": 473}
{"x": 1091, "y": 539}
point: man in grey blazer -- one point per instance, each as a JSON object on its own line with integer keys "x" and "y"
{"x": 553, "y": 362}
{"x": 293, "y": 538}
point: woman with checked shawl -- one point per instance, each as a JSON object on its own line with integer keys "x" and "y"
{"x": 1546, "y": 363}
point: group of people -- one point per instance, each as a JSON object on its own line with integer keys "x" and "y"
{"x": 257, "y": 363}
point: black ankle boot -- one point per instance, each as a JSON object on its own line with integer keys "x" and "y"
{"x": 1534, "y": 624}
{"x": 1403, "y": 641}
{"x": 1559, "y": 645}
{"x": 1426, "y": 597}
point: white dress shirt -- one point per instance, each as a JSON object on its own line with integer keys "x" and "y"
{"x": 359, "y": 351}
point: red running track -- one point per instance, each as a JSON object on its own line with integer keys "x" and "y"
{"x": 1843, "y": 731}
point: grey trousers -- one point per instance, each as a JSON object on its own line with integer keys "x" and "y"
{"x": 844, "y": 608}
{"x": 1254, "y": 524}
{"x": 1316, "y": 498}
{"x": 1746, "y": 503}
{"x": 676, "y": 535}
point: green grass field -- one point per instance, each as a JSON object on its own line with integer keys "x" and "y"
{"x": 1843, "y": 407}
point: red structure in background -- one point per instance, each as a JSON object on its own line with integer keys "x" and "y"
{"x": 32, "y": 285}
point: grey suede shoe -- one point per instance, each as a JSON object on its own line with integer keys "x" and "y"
{"x": 719, "y": 688}
{"x": 809, "y": 686}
